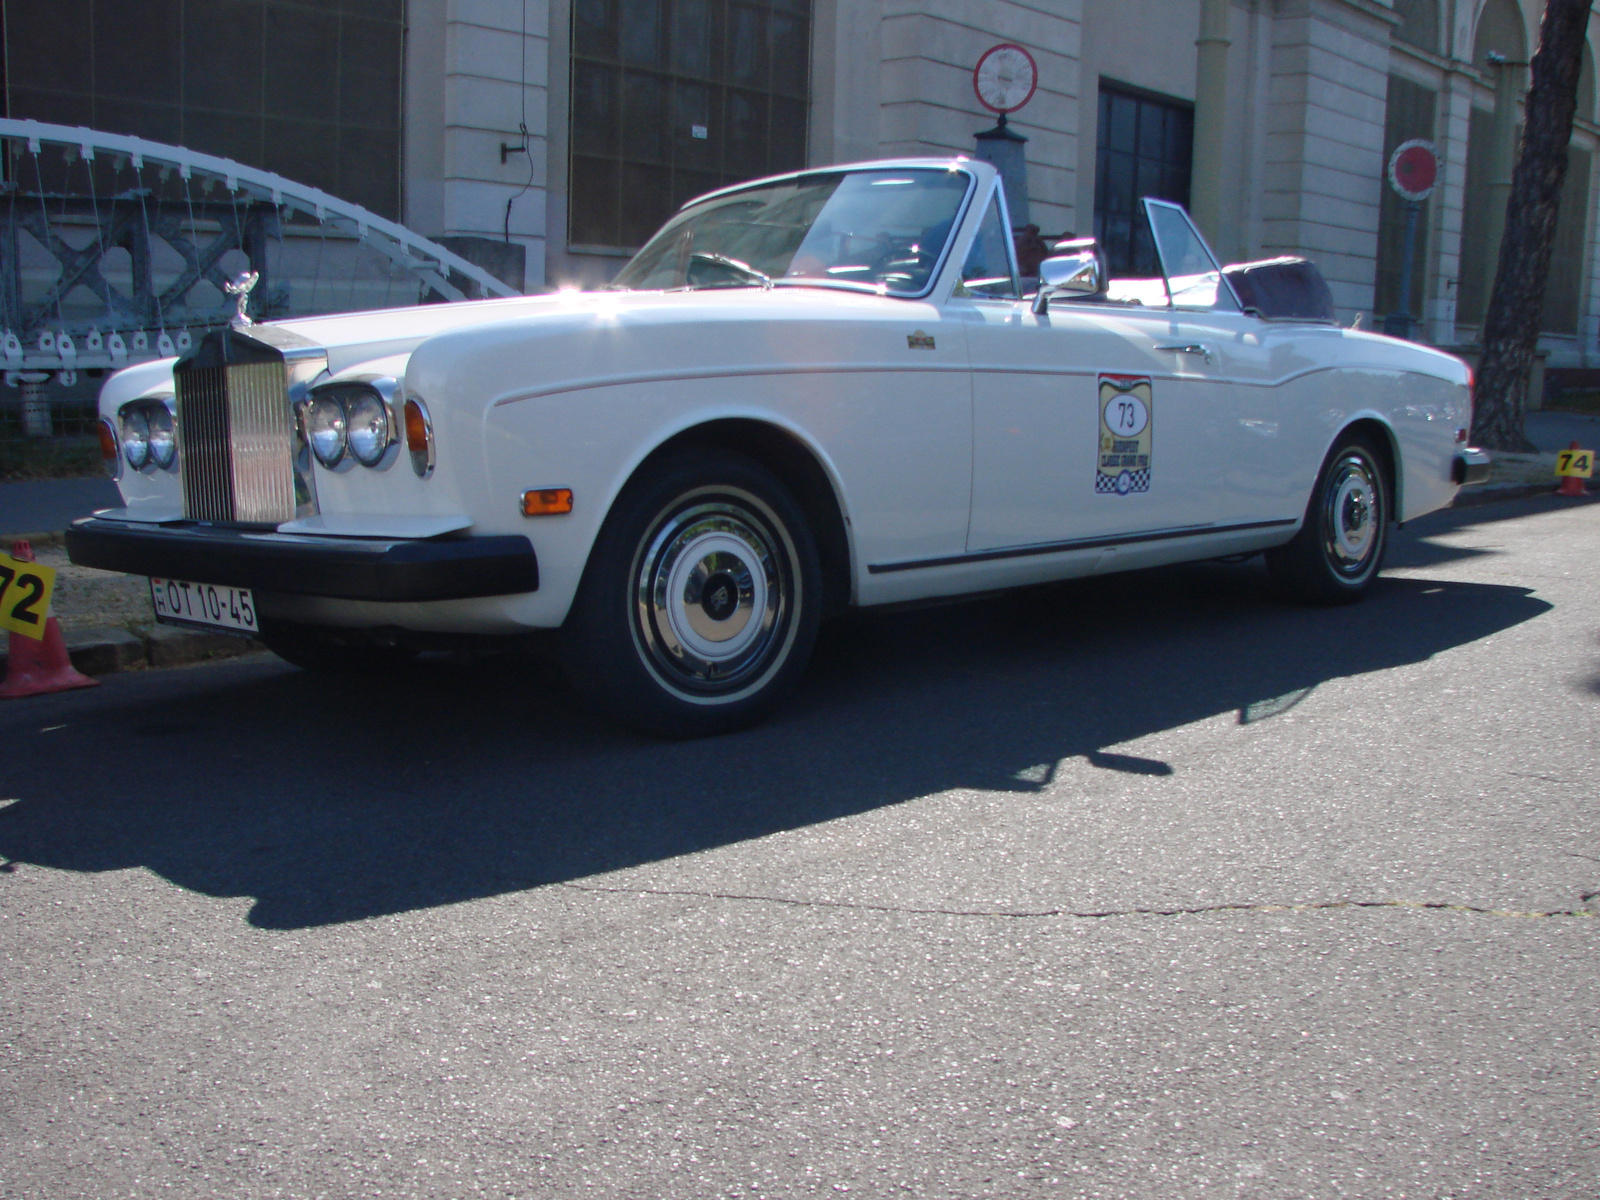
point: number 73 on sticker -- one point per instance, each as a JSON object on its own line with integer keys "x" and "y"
{"x": 25, "y": 591}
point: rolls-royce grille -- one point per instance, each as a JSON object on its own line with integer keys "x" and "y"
{"x": 236, "y": 443}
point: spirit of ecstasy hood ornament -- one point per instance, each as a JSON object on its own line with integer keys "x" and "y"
{"x": 239, "y": 288}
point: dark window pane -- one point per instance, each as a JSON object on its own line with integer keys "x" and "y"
{"x": 228, "y": 135}
{"x": 1119, "y": 183}
{"x": 222, "y": 55}
{"x": 691, "y": 37}
{"x": 747, "y": 134}
{"x": 642, "y": 31}
{"x": 158, "y": 122}
{"x": 56, "y": 107}
{"x": 305, "y": 151}
{"x": 675, "y": 130}
{"x": 692, "y": 108}
{"x": 382, "y": 10}
{"x": 1147, "y": 180}
{"x": 594, "y": 28}
{"x": 45, "y": 46}
{"x": 369, "y": 75}
{"x": 302, "y": 57}
{"x": 686, "y": 185}
{"x": 1144, "y": 149}
{"x": 594, "y": 210}
{"x": 369, "y": 169}
{"x": 788, "y": 152}
{"x": 747, "y": 45}
{"x": 644, "y": 110}
{"x": 136, "y": 50}
{"x": 646, "y": 202}
{"x": 596, "y": 113}
{"x": 1121, "y": 131}
{"x": 791, "y": 55}
{"x": 1152, "y": 130}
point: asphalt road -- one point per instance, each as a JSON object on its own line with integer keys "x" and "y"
{"x": 1140, "y": 887}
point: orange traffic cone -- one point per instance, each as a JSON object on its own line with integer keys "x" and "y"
{"x": 39, "y": 665}
{"x": 1571, "y": 485}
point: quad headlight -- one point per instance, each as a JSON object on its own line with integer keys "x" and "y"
{"x": 163, "y": 441}
{"x": 351, "y": 420}
{"x": 325, "y": 426}
{"x": 367, "y": 427}
{"x": 135, "y": 438}
{"x": 146, "y": 435}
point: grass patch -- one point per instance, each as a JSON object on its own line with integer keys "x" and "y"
{"x": 1575, "y": 400}
{"x": 49, "y": 458}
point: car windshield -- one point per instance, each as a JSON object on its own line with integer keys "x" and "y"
{"x": 880, "y": 230}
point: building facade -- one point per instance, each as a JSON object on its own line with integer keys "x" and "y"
{"x": 571, "y": 128}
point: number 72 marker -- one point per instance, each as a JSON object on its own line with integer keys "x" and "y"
{"x": 25, "y": 591}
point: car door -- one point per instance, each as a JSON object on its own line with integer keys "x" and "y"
{"x": 1098, "y": 422}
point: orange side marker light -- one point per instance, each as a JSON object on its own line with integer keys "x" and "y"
{"x": 546, "y": 502}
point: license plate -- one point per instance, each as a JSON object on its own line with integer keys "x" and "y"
{"x": 208, "y": 605}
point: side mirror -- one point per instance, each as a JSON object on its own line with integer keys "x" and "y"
{"x": 1078, "y": 273}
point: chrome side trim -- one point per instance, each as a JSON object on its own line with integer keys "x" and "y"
{"x": 1122, "y": 539}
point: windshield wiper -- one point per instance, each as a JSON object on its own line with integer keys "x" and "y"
{"x": 750, "y": 274}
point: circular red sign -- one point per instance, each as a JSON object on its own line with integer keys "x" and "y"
{"x": 1414, "y": 169}
{"x": 1005, "y": 78}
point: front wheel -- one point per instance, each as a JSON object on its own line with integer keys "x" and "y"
{"x": 1339, "y": 549}
{"x": 701, "y": 600}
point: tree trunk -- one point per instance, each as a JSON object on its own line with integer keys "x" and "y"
{"x": 1511, "y": 324}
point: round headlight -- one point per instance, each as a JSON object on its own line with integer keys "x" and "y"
{"x": 368, "y": 428}
{"x": 135, "y": 439}
{"x": 325, "y": 425}
{"x": 163, "y": 446}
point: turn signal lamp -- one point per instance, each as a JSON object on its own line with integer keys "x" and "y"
{"x": 546, "y": 502}
{"x": 108, "y": 448}
{"x": 419, "y": 437}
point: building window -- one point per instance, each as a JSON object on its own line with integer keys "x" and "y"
{"x": 672, "y": 98}
{"x": 309, "y": 89}
{"x": 1408, "y": 115}
{"x": 1419, "y": 23}
{"x": 1145, "y": 146}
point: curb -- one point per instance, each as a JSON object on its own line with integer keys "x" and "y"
{"x": 107, "y": 651}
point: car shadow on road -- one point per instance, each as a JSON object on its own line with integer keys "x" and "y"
{"x": 334, "y": 801}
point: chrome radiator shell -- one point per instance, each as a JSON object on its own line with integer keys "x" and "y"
{"x": 242, "y": 453}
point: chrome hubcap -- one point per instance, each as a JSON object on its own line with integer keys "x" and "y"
{"x": 709, "y": 595}
{"x": 1352, "y": 519}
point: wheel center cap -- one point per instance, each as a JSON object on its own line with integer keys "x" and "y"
{"x": 719, "y": 596}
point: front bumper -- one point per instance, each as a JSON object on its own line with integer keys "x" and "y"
{"x": 1470, "y": 466}
{"x": 390, "y": 569}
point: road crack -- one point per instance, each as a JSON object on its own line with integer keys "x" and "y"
{"x": 1085, "y": 914}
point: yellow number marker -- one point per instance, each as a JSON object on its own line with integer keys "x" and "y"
{"x": 1578, "y": 464}
{"x": 25, "y": 591}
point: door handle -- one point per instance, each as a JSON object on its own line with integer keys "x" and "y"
{"x": 1203, "y": 351}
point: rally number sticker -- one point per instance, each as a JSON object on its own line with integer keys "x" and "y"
{"x": 1578, "y": 463}
{"x": 25, "y": 591}
{"x": 1126, "y": 417}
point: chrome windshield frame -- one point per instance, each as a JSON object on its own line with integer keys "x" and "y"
{"x": 957, "y": 225}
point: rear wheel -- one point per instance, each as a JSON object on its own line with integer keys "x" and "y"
{"x": 701, "y": 599}
{"x": 1339, "y": 549}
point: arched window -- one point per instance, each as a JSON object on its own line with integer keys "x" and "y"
{"x": 1502, "y": 30}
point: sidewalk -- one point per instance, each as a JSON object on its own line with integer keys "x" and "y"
{"x": 1516, "y": 475}
{"x": 108, "y": 624}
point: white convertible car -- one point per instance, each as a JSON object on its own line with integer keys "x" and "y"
{"x": 814, "y": 391}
